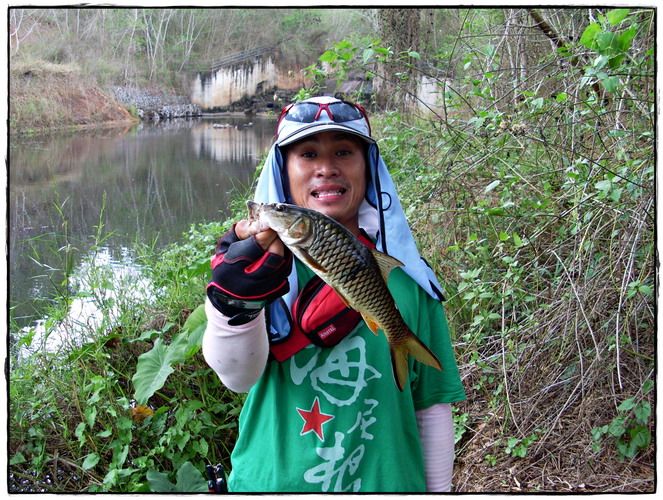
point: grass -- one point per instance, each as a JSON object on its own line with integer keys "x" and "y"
{"x": 51, "y": 96}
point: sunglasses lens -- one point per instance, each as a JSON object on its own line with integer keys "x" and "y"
{"x": 344, "y": 112}
{"x": 306, "y": 112}
{"x": 303, "y": 112}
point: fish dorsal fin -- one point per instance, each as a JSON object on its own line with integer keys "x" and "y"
{"x": 386, "y": 263}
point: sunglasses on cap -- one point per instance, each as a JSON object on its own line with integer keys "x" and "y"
{"x": 338, "y": 112}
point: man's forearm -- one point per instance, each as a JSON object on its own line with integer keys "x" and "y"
{"x": 436, "y": 431}
{"x": 238, "y": 354}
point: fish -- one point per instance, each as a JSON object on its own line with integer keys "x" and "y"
{"x": 356, "y": 272}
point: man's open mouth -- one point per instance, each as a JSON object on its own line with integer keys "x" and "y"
{"x": 326, "y": 194}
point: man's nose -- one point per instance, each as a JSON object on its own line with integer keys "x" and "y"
{"x": 326, "y": 167}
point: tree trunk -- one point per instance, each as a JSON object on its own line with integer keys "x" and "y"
{"x": 395, "y": 84}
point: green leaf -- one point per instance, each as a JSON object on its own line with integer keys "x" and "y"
{"x": 194, "y": 327}
{"x": 80, "y": 432}
{"x": 90, "y": 416}
{"x": 623, "y": 41}
{"x": 640, "y": 436}
{"x": 196, "y": 318}
{"x": 189, "y": 480}
{"x": 610, "y": 84}
{"x": 19, "y": 458}
{"x": 104, "y": 434}
{"x": 604, "y": 40}
{"x": 616, "y": 16}
{"x": 627, "y": 404}
{"x": 561, "y": 97}
{"x": 616, "y": 427}
{"x": 159, "y": 482}
{"x": 603, "y": 185}
{"x": 328, "y": 56}
{"x": 517, "y": 241}
{"x": 414, "y": 54}
{"x": 643, "y": 412}
{"x": 155, "y": 366}
{"x": 491, "y": 186}
{"x": 90, "y": 461}
{"x": 588, "y": 36}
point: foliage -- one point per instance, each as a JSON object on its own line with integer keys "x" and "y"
{"x": 161, "y": 46}
{"x": 135, "y": 414}
{"x": 629, "y": 429}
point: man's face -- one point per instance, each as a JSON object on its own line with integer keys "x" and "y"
{"x": 327, "y": 173}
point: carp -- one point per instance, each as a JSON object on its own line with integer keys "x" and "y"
{"x": 356, "y": 272}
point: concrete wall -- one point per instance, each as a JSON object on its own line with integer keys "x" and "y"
{"x": 229, "y": 84}
{"x": 431, "y": 93}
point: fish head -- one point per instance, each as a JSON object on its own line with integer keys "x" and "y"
{"x": 293, "y": 224}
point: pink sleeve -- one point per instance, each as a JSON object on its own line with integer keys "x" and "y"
{"x": 436, "y": 432}
{"x": 238, "y": 354}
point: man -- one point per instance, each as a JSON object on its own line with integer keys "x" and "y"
{"x": 323, "y": 412}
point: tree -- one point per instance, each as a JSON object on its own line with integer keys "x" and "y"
{"x": 395, "y": 85}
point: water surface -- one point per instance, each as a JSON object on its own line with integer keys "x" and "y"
{"x": 144, "y": 183}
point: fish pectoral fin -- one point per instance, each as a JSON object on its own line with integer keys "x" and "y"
{"x": 386, "y": 263}
{"x": 371, "y": 323}
{"x": 311, "y": 262}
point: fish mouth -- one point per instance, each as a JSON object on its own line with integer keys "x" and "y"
{"x": 253, "y": 210}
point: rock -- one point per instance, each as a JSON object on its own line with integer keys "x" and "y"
{"x": 155, "y": 108}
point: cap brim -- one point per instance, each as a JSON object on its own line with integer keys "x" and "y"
{"x": 316, "y": 128}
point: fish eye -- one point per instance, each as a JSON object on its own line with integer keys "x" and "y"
{"x": 279, "y": 208}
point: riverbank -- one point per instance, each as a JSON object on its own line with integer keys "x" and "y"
{"x": 47, "y": 96}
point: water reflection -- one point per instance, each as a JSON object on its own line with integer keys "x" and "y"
{"x": 148, "y": 183}
{"x": 96, "y": 308}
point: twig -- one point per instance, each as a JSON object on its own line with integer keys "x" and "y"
{"x": 582, "y": 309}
{"x": 506, "y": 381}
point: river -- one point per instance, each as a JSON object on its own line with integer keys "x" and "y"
{"x": 145, "y": 183}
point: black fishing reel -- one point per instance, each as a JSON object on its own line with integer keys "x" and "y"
{"x": 217, "y": 479}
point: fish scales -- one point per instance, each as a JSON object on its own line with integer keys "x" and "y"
{"x": 356, "y": 272}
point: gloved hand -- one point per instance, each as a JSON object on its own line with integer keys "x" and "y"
{"x": 245, "y": 277}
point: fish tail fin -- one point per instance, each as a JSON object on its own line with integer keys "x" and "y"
{"x": 399, "y": 365}
{"x": 418, "y": 350}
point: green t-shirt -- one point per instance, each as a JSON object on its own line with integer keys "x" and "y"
{"x": 332, "y": 419}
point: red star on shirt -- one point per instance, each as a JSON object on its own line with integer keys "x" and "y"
{"x": 314, "y": 420}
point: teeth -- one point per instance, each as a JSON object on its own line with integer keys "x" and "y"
{"x": 325, "y": 194}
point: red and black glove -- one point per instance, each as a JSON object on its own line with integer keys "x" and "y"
{"x": 245, "y": 277}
